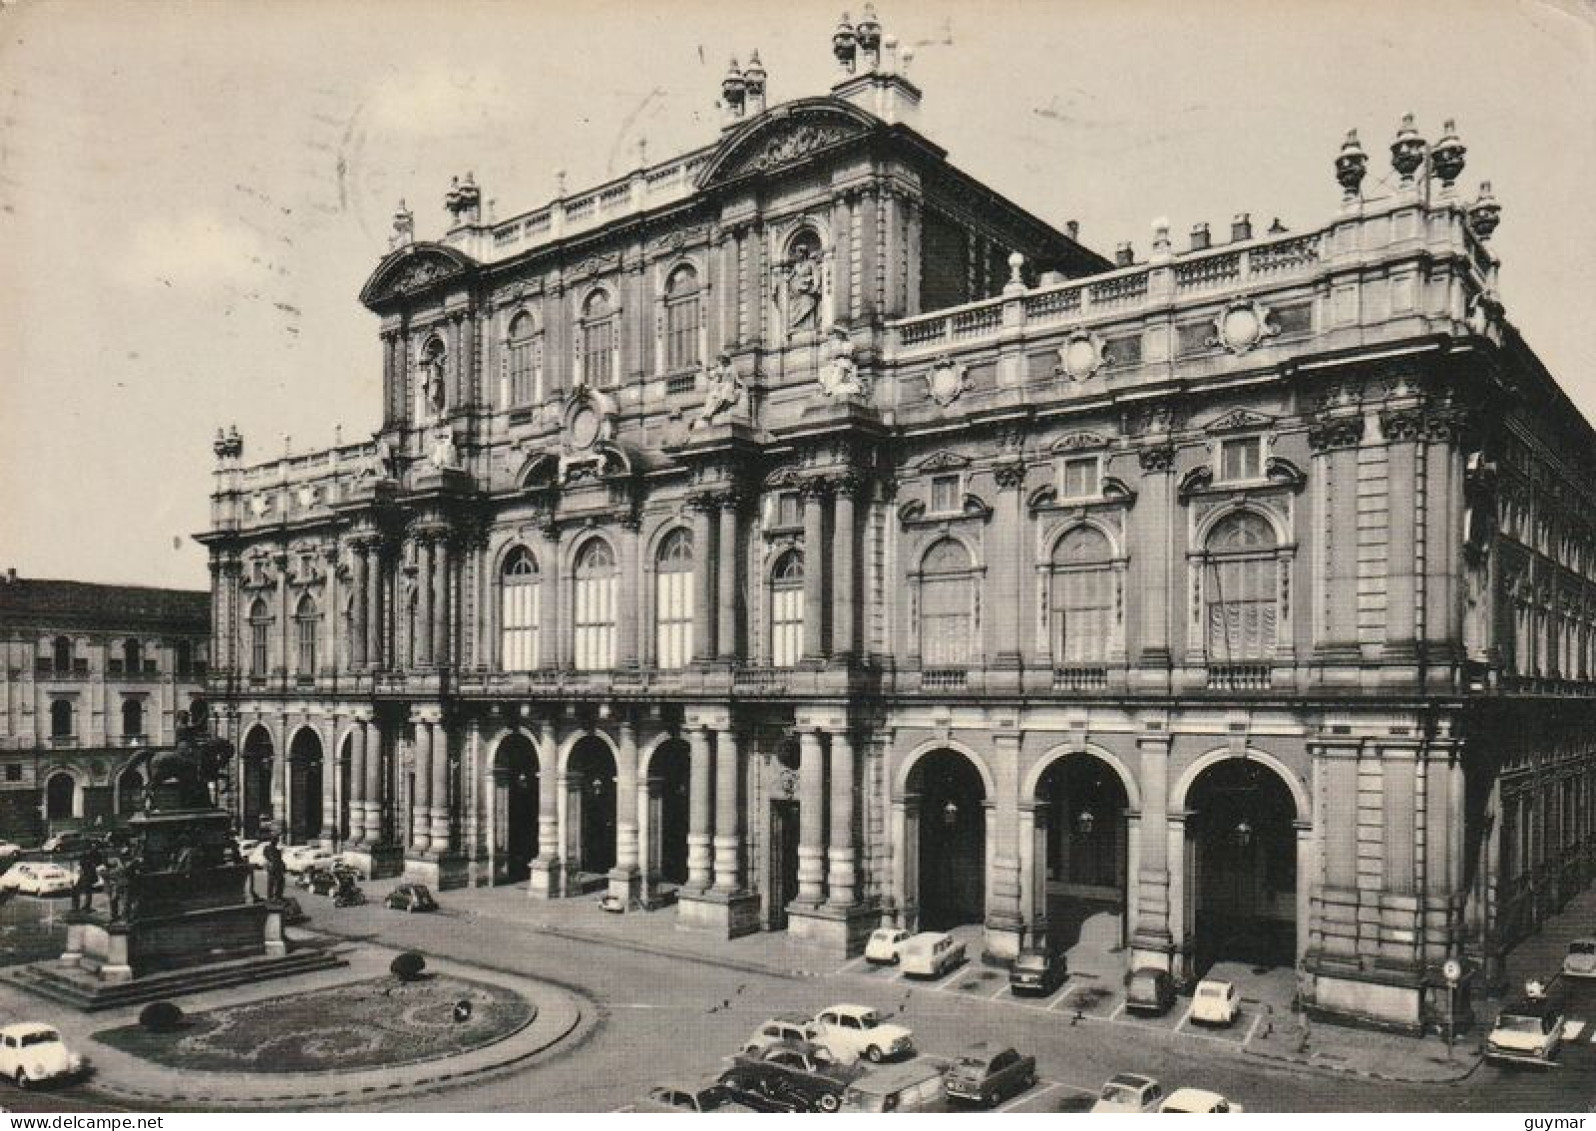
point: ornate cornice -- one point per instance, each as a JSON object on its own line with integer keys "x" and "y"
{"x": 1330, "y": 434}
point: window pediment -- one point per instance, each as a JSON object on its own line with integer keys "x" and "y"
{"x": 1280, "y": 474}
{"x": 1114, "y": 493}
{"x": 1240, "y": 420}
{"x": 916, "y": 512}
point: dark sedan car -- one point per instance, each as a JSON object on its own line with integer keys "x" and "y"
{"x": 1150, "y": 991}
{"x": 803, "y": 1074}
{"x": 411, "y": 897}
{"x": 990, "y": 1074}
{"x": 1037, "y": 972}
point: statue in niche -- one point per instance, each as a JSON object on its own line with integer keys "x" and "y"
{"x": 803, "y": 284}
{"x": 444, "y": 456}
{"x": 839, "y": 376}
{"x": 725, "y": 390}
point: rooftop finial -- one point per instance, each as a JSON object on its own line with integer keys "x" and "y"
{"x": 1407, "y": 151}
{"x": 1351, "y": 166}
{"x": 404, "y": 226}
{"x": 1446, "y": 157}
{"x": 754, "y": 84}
{"x": 868, "y": 33}
{"x": 1485, "y": 213}
{"x": 845, "y": 44}
{"x": 733, "y": 90}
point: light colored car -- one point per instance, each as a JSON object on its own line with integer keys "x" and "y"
{"x": 31, "y": 1053}
{"x": 34, "y": 878}
{"x": 788, "y": 1028}
{"x": 1215, "y": 1002}
{"x": 883, "y": 945}
{"x": 1580, "y": 961}
{"x": 1196, "y": 1101}
{"x": 701, "y": 1098}
{"x": 930, "y": 954}
{"x": 1128, "y": 1093}
{"x": 301, "y": 856}
{"x": 9, "y": 851}
{"x": 851, "y": 1031}
{"x": 1527, "y": 1031}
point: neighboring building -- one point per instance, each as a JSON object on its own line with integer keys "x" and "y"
{"x": 801, "y": 529}
{"x": 91, "y": 674}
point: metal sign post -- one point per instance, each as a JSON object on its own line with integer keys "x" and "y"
{"x": 1452, "y": 971}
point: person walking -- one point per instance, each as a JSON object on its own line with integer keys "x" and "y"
{"x": 276, "y": 871}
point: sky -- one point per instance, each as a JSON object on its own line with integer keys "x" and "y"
{"x": 191, "y": 194}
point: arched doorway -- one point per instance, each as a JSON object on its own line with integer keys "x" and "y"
{"x": 668, "y": 783}
{"x": 952, "y": 840}
{"x": 590, "y": 812}
{"x": 515, "y": 808}
{"x": 304, "y": 786}
{"x": 1241, "y": 837}
{"x": 1086, "y": 833}
{"x": 60, "y": 796}
{"x": 129, "y": 792}
{"x": 256, "y": 768}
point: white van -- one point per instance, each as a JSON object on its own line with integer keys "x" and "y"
{"x": 915, "y": 1085}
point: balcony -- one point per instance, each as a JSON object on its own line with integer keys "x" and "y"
{"x": 44, "y": 668}
{"x": 1076, "y": 677}
{"x": 63, "y": 741}
{"x": 1240, "y": 677}
{"x": 944, "y": 679}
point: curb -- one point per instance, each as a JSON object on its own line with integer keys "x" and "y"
{"x": 1383, "y": 1077}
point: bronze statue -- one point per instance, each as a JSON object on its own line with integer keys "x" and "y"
{"x": 192, "y": 764}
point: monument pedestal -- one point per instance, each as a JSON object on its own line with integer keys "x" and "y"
{"x": 726, "y": 915}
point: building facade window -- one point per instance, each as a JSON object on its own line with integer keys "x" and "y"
{"x": 132, "y": 656}
{"x": 1240, "y": 589}
{"x": 947, "y": 606}
{"x": 260, "y": 627}
{"x": 683, "y": 317}
{"x": 61, "y": 797}
{"x": 1080, "y": 478}
{"x": 183, "y": 653}
{"x": 1241, "y": 460}
{"x": 61, "y": 719}
{"x": 524, "y": 350}
{"x": 597, "y": 586}
{"x": 62, "y": 654}
{"x": 598, "y": 341}
{"x": 787, "y": 610}
{"x": 307, "y": 623}
{"x": 132, "y": 718}
{"x": 673, "y": 601}
{"x": 945, "y": 494}
{"x": 1082, "y": 597}
{"x": 520, "y": 612}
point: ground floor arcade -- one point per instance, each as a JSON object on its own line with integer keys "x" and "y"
{"x": 1361, "y": 849}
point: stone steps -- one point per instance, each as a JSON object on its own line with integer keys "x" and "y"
{"x": 80, "y": 990}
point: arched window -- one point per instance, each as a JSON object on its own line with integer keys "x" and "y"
{"x": 598, "y": 341}
{"x": 61, "y": 796}
{"x": 1082, "y": 597}
{"x": 62, "y": 654}
{"x": 673, "y": 603}
{"x": 787, "y": 610}
{"x": 132, "y": 718}
{"x": 520, "y": 612}
{"x": 525, "y": 354}
{"x": 260, "y": 628}
{"x": 1241, "y": 589}
{"x": 597, "y": 584}
{"x": 61, "y": 723}
{"x": 947, "y": 606}
{"x": 307, "y": 622}
{"x": 682, "y": 316}
{"x": 132, "y": 657}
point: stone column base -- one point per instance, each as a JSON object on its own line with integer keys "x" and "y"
{"x": 276, "y": 944}
{"x": 1386, "y": 1000}
{"x": 626, "y": 885}
{"x": 839, "y": 931}
{"x": 726, "y": 915}
{"x": 1004, "y": 939}
{"x": 547, "y": 880}
{"x": 1148, "y": 949}
{"x": 441, "y": 873}
{"x": 378, "y": 861}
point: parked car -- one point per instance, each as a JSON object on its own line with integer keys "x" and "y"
{"x": 31, "y": 1053}
{"x": 791, "y": 1028}
{"x": 1128, "y": 1093}
{"x": 298, "y": 857}
{"x": 1149, "y": 990}
{"x": 319, "y": 880}
{"x": 805, "y": 1075}
{"x": 852, "y": 1031}
{"x": 914, "y": 1085}
{"x": 411, "y": 897}
{"x": 32, "y": 877}
{"x": 9, "y": 851}
{"x": 1196, "y": 1101}
{"x": 701, "y": 1098}
{"x": 883, "y": 945}
{"x": 930, "y": 954}
{"x": 1216, "y": 1002}
{"x": 1037, "y": 972}
{"x": 990, "y": 1074}
{"x": 1527, "y": 1031}
{"x": 1580, "y": 961}
{"x": 62, "y": 844}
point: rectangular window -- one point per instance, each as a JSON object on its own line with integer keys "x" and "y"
{"x": 598, "y": 354}
{"x": 945, "y": 632}
{"x": 1241, "y": 610}
{"x": 787, "y": 627}
{"x": 1080, "y": 478}
{"x": 526, "y": 376}
{"x": 1083, "y": 615}
{"x": 944, "y": 494}
{"x": 305, "y": 628}
{"x": 595, "y": 623}
{"x": 1240, "y": 460}
{"x": 519, "y": 642}
{"x": 789, "y": 509}
{"x": 257, "y": 648}
{"x": 681, "y": 335}
{"x": 674, "y": 594}
{"x": 13, "y": 771}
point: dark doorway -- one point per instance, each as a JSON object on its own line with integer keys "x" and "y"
{"x": 1244, "y": 847}
{"x": 58, "y": 795}
{"x": 1087, "y": 842}
{"x": 669, "y": 779}
{"x": 257, "y": 773}
{"x": 952, "y": 854}
{"x": 515, "y": 809}
{"x": 304, "y": 786}
{"x": 130, "y": 792}
{"x": 783, "y": 861}
{"x": 590, "y": 807}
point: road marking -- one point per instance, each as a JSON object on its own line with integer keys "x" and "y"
{"x": 1120, "y": 1008}
{"x": 1030, "y": 1094}
{"x": 848, "y": 967}
{"x": 998, "y": 993}
{"x": 1572, "y": 1030}
{"x": 1256, "y": 1021}
{"x": 1182, "y": 1023}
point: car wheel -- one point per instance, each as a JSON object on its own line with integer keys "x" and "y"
{"x": 873, "y": 1054}
{"x": 828, "y": 1102}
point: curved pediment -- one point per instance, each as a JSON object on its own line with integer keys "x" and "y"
{"x": 414, "y": 268}
{"x": 788, "y": 135}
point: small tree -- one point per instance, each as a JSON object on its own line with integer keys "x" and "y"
{"x": 408, "y": 966}
{"x": 161, "y": 1016}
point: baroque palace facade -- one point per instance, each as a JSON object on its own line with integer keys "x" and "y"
{"x": 800, "y": 532}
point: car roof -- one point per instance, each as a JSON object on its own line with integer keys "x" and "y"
{"x": 790, "y": 1019}
{"x": 1131, "y": 1079}
{"x": 25, "y": 1028}
{"x": 1215, "y": 982}
{"x": 848, "y": 1007}
{"x": 1194, "y": 1096}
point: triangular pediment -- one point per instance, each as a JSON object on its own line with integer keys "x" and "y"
{"x": 789, "y": 135}
{"x": 1240, "y": 420}
{"x": 412, "y": 269}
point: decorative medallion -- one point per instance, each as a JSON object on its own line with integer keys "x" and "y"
{"x": 1081, "y": 355}
{"x": 947, "y": 381}
{"x": 584, "y": 428}
{"x": 1242, "y": 325}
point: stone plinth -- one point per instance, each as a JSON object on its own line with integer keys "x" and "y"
{"x": 839, "y": 931}
{"x": 726, "y": 915}
{"x": 377, "y": 861}
{"x": 441, "y": 873}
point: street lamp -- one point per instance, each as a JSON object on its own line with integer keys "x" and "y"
{"x": 1242, "y": 834}
{"x": 1084, "y": 820}
{"x": 950, "y": 814}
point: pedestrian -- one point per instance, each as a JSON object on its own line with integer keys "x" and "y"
{"x": 88, "y": 873}
{"x": 114, "y": 875}
{"x": 276, "y": 871}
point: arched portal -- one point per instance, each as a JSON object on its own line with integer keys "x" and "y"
{"x": 1083, "y": 812}
{"x": 590, "y": 812}
{"x": 952, "y": 840}
{"x": 129, "y": 792}
{"x": 668, "y": 783}
{"x": 256, "y": 768}
{"x": 304, "y": 786}
{"x": 1241, "y": 837}
{"x": 60, "y": 796}
{"x": 515, "y": 808}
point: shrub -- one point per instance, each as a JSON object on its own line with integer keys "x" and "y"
{"x": 408, "y": 966}
{"x": 161, "y": 1016}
